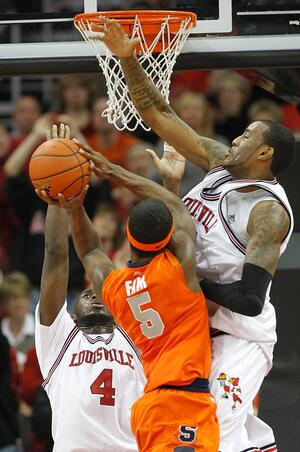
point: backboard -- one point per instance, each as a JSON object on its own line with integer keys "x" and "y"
{"x": 38, "y": 37}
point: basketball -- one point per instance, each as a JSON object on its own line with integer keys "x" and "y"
{"x": 56, "y": 166}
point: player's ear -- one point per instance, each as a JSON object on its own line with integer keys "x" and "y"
{"x": 266, "y": 152}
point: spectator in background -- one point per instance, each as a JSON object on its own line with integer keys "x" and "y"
{"x": 137, "y": 160}
{"x": 193, "y": 80}
{"x": 28, "y": 245}
{"x": 74, "y": 94}
{"x": 109, "y": 227}
{"x": 125, "y": 200}
{"x": 18, "y": 324}
{"x": 8, "y": 221}
{"x": 9, "y": 430}
{"x": 107, "y": 139}
{"x": 19, "y": 155}
{"x": 291, "y": 117}
{"x": 194, "y": 109}
{"x": 41, "y": 421}
{"x": 26, "y": 112}
{"x": 34, "y": 407}
{"x": 264, "y": 109}
{"x": 230, "y": 94}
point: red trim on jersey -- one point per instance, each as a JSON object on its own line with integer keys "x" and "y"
{"x": 269, "y": 448}
{"x": 272, "y": 448}
{"x": 216, "y": 169}
{"x": 93, "y": 340}
{"x": 215, "y": 197}
{"x": 128, "y": 339}
{"x": 65, "y": 347}
{"x": 230, "y": 233}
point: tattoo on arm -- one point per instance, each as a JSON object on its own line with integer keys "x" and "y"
{"x": 143, "y": 92}
{"x": 202, "y": 151}
{"x": 268, "y": 225}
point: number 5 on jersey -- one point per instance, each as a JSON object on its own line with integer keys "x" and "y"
{"x": 150, "y": 320}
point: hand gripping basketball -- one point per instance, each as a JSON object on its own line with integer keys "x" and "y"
{"x": 73, "y": 204}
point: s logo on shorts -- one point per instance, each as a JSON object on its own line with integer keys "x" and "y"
{"x": 187, "y": 433}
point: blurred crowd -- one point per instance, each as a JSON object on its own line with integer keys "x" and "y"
{"x": 216, "y": 104}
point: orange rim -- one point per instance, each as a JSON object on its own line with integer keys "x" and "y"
{"x": 152, "y": 19}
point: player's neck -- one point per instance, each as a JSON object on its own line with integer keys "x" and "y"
{"x": 95, "y": 324}
{"x": 238, "y": 173}
{"x": 137, "y": 260}
{"x": 97, "y": 329}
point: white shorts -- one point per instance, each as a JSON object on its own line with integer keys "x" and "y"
{"x": 238, "y": 370}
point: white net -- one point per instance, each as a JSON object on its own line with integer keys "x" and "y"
{"x": 120, "y": 110}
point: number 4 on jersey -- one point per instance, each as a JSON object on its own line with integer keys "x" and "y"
{"x": 103, "y": 386}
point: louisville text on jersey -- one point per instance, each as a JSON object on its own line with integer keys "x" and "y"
{"x": 87, "y": 357}
{"x": 201, "y": 213}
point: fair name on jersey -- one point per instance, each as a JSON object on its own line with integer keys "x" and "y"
{"x": 87, "y": 357}
{"x": 135, "y": 285}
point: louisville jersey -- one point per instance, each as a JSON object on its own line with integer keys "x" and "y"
{"x": 167, "y": 321}
{"x": 220, "y": 214}
{"x": 91, "y": 381}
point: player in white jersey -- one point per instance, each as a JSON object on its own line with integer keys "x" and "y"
{"x": 92, "y": 372}
{"x": 242, "y": 230}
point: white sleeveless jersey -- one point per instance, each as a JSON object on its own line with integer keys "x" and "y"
{"x": 220, "y": 215}
{"x": 92, "y": 382}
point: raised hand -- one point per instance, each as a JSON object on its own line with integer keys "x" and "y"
{"x": 115, "y": 39}
{"x": 62, "y": 202}
{"x": 42, "y": 125}
{"x": 62, "y": 132}
{"x": 171, "y": 166}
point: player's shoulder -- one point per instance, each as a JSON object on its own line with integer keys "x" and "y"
{"x": 123, "y": 337}
{"x": 114, "y": 275}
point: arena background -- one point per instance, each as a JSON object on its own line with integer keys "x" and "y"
{"x": 260, "y": 39}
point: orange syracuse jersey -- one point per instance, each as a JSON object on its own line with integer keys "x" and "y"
{"x": 166, "y": 320}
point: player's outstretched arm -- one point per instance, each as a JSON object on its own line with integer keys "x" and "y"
{"x": 56, "y": 265}
{"x": 154, "y": 109}
{"x": 142, "y": 187}
{"x": 55, "y": 271}
{"x": 87, "y": 244}
{"x": 268, "y": 225}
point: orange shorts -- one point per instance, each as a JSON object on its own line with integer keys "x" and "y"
{"x": 174, "y": 420}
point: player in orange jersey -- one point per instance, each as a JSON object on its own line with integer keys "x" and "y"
{"x": 156, "y": 298}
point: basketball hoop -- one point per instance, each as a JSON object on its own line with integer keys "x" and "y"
{"x": 161, "y": 35}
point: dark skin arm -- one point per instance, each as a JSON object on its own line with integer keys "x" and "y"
{"x": 55, "y": 271}
{"x": 154, "y": 109}
{"x": 87, "y": 244}
{"x": 267, "y": 227}
{"x": 182, "y": 243}
{"x": 86, "y": 241}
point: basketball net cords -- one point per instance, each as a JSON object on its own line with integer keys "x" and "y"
{"x": 120, "y": 110}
